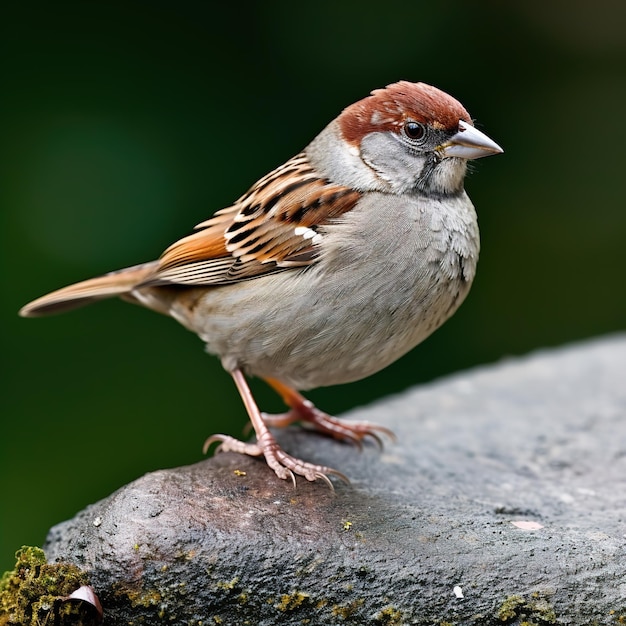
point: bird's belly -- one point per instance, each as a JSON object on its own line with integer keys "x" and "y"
{"x": 336, "y": 332}
{"x": 386, "y": 280}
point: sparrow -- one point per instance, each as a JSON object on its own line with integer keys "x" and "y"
{"x": 327, "y": 269}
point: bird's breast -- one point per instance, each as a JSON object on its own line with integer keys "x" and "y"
{"x": 391, "y": 272}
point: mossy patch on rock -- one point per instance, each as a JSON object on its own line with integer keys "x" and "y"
{"x": 534, "y": 610}
{"x": 36, "y": 593}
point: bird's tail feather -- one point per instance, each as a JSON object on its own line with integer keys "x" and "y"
{"x": 79, "y": 294}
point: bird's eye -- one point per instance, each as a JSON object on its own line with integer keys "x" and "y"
{"x": 413, "y": 130}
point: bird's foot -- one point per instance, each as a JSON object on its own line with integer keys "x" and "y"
{"x": 284, "y": 465}
{"x": 345, "y": 430}
{"x": 303, "y": 410}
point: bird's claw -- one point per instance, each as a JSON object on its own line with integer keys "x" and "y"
{"x": 352, "y": 432}
{"x": 284, "y": 465}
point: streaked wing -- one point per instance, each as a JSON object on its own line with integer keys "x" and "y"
{"x": 276, "y": 225}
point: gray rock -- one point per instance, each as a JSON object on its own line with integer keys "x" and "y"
{"x": 504, "y": 501}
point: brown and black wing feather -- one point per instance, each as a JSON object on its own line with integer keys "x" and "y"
{"x": 275, "y": 226}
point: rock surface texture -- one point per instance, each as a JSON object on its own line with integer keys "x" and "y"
{"x": 503, "y": 502}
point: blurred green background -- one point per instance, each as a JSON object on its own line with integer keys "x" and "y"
{"x": 123, "y": 124}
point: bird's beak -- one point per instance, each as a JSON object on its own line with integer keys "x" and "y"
{"x": 469, "y": 143}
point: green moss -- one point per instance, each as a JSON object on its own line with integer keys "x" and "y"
{"x": 228, "y": 585}
{"x": 542, "y": 610}
{"x": 160, "y": 600}
{"x": 346, "y": 610}
{"x": 389, "y": 616}
{"x": 35, "y": 592}
{"x": 508, "y": 609}
{"x": 150, "y": 597}
{"x": 533, "y": 611}
{"x": 292, "y": 601}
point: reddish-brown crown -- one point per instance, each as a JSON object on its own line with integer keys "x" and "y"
{"x": 387, "y": 109}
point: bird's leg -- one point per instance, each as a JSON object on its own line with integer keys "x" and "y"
{"x": 284, "y": 465}
{"x": 303, "y": 410}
